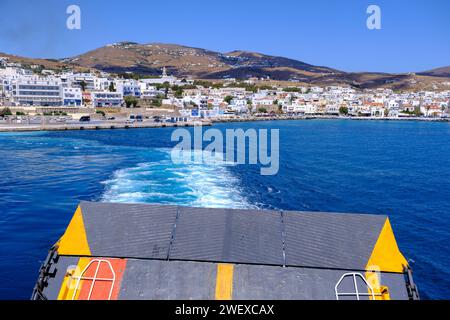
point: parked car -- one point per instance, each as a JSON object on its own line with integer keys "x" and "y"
{"x": 85, "y": 119}
{"x": 131, "y": 119}
{"x": 139, "y": 118}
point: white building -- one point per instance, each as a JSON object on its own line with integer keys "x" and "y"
{"x": 101, "y": 84}
{"x": 10, "y": 72}
{"x": 72, "y": 97}
{"x": 239, "y": 105}
{"x": 150, "y": 93}
{"x": 106, "y": 99}
{"x": 310, "y": 109}
{"x": 259, "y": 102}
{"x": 215, "y": 112}
{"x": 34, "y": 91}
{"x": 5, "y": 86}
{"x": 128, "y": 87}
{"x": 332, "y": 109}
{"x": 392, "y": 104}
{"x": 80, "y": 80}
{"x": 294, "y": 108}
{"x": 376, "y": 111}
{"x": 393, "y": 112}
{"x": 163, "y": 79}
{"x": 198, "y": 100}
{"x": 3, "y": 61}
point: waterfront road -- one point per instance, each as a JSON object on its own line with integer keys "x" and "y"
{"x": 91, "y": 125}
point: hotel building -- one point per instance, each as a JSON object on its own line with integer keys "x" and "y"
{"x": 106, "y": 99}
{"x": 33, "y": 91}
{"x": 72, "y": 97}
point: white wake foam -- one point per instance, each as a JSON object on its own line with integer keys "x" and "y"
{"x": 161, "y": 181}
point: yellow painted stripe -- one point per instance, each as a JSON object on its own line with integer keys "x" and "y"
{"x": 74, "y": 241}
{"x": 381, "y": 292}
{"x": 386, "y": 256}
{"x": 69, "y": 283}
{"x": 224, "y": 282}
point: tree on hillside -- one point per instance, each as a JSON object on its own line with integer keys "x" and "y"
{"x": 343, "y": 110}
{"x": 5, "y": 112}
{"x": 112, "y": 87}
{"x": 131, "y": 102}
{"x": 179, "y": 93}
{"x": 83, "y": 85}
{"x": 166, "y": 92}
{"x": 291, "y": 89}
{"x": 265, "y": 87}
{"x": 165, "y": 85}
{"x": 217, "y": 85}
{"x": 156, "y": 102}
{"x": 262, "y": 110}
{"x": 228, "y": 99}
{"x": 129, "y": 75}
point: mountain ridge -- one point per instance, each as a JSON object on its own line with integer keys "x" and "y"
{"x": 437, "y": 72}
{"x": 185, "y": 61}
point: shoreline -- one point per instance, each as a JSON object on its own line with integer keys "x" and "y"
{"x": 142, "y": 125}
{"x": 94, "y": 126}
{"x": 290, "y": 118}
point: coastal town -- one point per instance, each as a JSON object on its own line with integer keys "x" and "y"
{"x": 224, "y": 159}
{"x": 35, "y": 98}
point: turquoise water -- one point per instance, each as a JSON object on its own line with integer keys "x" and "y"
{"x": 397, "y": 168}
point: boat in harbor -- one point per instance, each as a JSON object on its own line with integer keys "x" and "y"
{"x": 113, "y": 251}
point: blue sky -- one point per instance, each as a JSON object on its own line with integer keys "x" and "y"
{"x": 415, "y": 35}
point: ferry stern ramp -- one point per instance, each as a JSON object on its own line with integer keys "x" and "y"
{"x": 113, "y": 251}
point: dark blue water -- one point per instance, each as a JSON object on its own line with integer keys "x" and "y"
{"x": 397, "y": 168}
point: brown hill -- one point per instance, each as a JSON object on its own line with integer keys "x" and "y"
{"x": 187, "y": 61}
{"x": 148, "y": 59}
{"x": 50, "y": 64}
{"x": 183, "y": 61}
{"x": 438, "y": 72}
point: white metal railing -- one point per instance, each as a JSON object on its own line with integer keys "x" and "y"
{"x": 357, "y": 293}
{"x": 95, "y": 278}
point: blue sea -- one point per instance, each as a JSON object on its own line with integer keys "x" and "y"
{"x": 397, "y": 168}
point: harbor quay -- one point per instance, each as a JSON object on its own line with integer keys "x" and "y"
{"x": 51, "y": 123}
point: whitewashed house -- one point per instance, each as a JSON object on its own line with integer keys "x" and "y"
{"x": 72, "y": 97}
{"x": 106, "y": 99}
{"x": 332, "y": 109}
